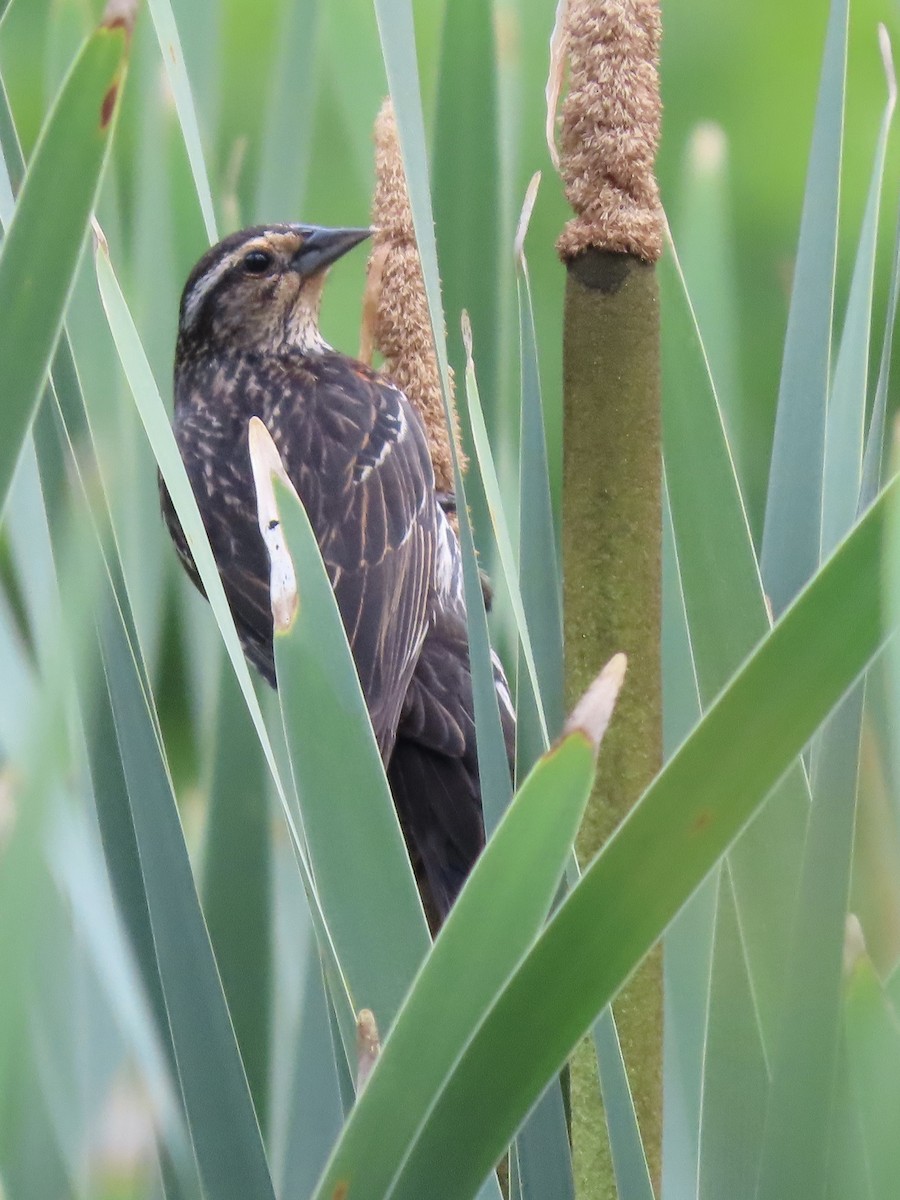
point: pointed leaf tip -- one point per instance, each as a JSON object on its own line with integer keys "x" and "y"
{"x": 101, "y": 245}
{"x": 368, "y": 1047}
{"x": 854, "y": 943}
{"x": 266, "y": 463}
{"x": 120, "y": 13}
{"x": 887, "y": 58}
{"x": 555, "y": 77}
{"x": 593, "y": 712}
{"x": 525, "y": 216}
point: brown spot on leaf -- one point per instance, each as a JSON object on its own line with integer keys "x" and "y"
{"x": 120, "y": 14}
{"x": 703, "y": 820}
{"x": 108, "y": 106}
{"x": 341, "y": 1191}
{"x": 172, "y": 54}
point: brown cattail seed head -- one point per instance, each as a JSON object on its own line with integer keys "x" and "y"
{"x": 610, "y": 128}
{"x": 397, "y": 304}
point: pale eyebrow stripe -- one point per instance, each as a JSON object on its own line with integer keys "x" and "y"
{"x": 207, "y": 282}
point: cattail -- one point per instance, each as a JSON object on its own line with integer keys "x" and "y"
{"x": 396, "y": 316}
{"x": 610, "y": 128}
{"x": 612, "y": 461}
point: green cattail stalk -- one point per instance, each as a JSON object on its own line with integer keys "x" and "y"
{"x": 612, "y": 470}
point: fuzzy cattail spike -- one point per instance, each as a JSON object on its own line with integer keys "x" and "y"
{"x": 396, "y": 316}
{"x": 610, "y": 128}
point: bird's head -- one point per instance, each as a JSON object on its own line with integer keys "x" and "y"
{"x": 259, "y": 289}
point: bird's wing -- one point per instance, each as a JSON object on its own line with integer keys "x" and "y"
{"x": 356, "y": 452}
{"x": 434, "y": 773}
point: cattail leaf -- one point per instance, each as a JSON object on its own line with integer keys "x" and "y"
{"x": 805, "y": 1055}
{"x": 539, "y": 568}
{"x": 224, "y": 1131}
{"x": 793, "y": 525}
{"x": 491, "y": 483}
{"x": 675, "y": 834}
{"x": 872, "y": 1029}
{"x": 627, "y": 1150}
{"x": 515, "y": 880}
{"x": 846, "y": 416}
{"x": 173, "y": 60}
{"x": 237, "y": 884}
{"x": 726, "y": 613}
{"x": 37, "y": 261}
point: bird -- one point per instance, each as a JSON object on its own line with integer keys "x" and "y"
{"x": 355, "y": 450}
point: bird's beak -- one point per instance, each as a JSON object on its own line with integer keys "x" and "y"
{"x": 321, "y": 247}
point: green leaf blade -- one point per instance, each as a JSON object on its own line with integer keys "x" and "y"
{"x": 793, "y": 524}
{"x": 536, "y": 835}
{"x": 362, "y": 871}
{"x": 671, "y": 839}
{"x": 37, "y": 263}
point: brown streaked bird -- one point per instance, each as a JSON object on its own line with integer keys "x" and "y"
{"x": 355, "y": 450}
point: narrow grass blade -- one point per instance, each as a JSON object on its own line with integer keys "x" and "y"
{"x": 18, "y": 694}
{"x": 726, "y": 612}
{"x": 491, "y": 484}
{"x": 735, "y": 1075}
{"x": 307, "y": 1113}
{"x": 536, "y": 835}
{"x": 539, "y": 569}
{"x": 237, "y": 885}
{"x": 466, "y": 185}
{"x": 37, "y": 262}
{"x": 362, "y": 872}
{"x": 219, "y": 1111}
{"x": 627, "y": 1149}
{"x": 688, "y": 947}
{"x": 173, "y": 60}
{"x": 873, "y": 1043}
{"x": 873, "y": 457}
{"x": 793, "y": 524}
{"x": 542, "y": 1150}
{"x": 706, "y": 248}
{"x": 846, "y": 416}
{"x": 682, "y": 825}
{"x": 78, "y": 867}
{"x": 31, "y": 557}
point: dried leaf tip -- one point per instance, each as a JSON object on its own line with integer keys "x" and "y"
{"x": 100, "y": 242}
{"x": 854, "y": 943}
{"x": 887, "y": 61}
{"x": 368, "y": 1047}
{"x": 593, "y": 712}
{"x": 120, "y": 13}
{"x": 708, "y": 149}
{"x": 610, "y": 128}
{"x": 525, "y": 217}
{"x": 396, "y": 315}
{"x": 266, "y": 462}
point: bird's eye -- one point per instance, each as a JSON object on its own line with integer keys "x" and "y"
{"x": 257, "y": 262}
